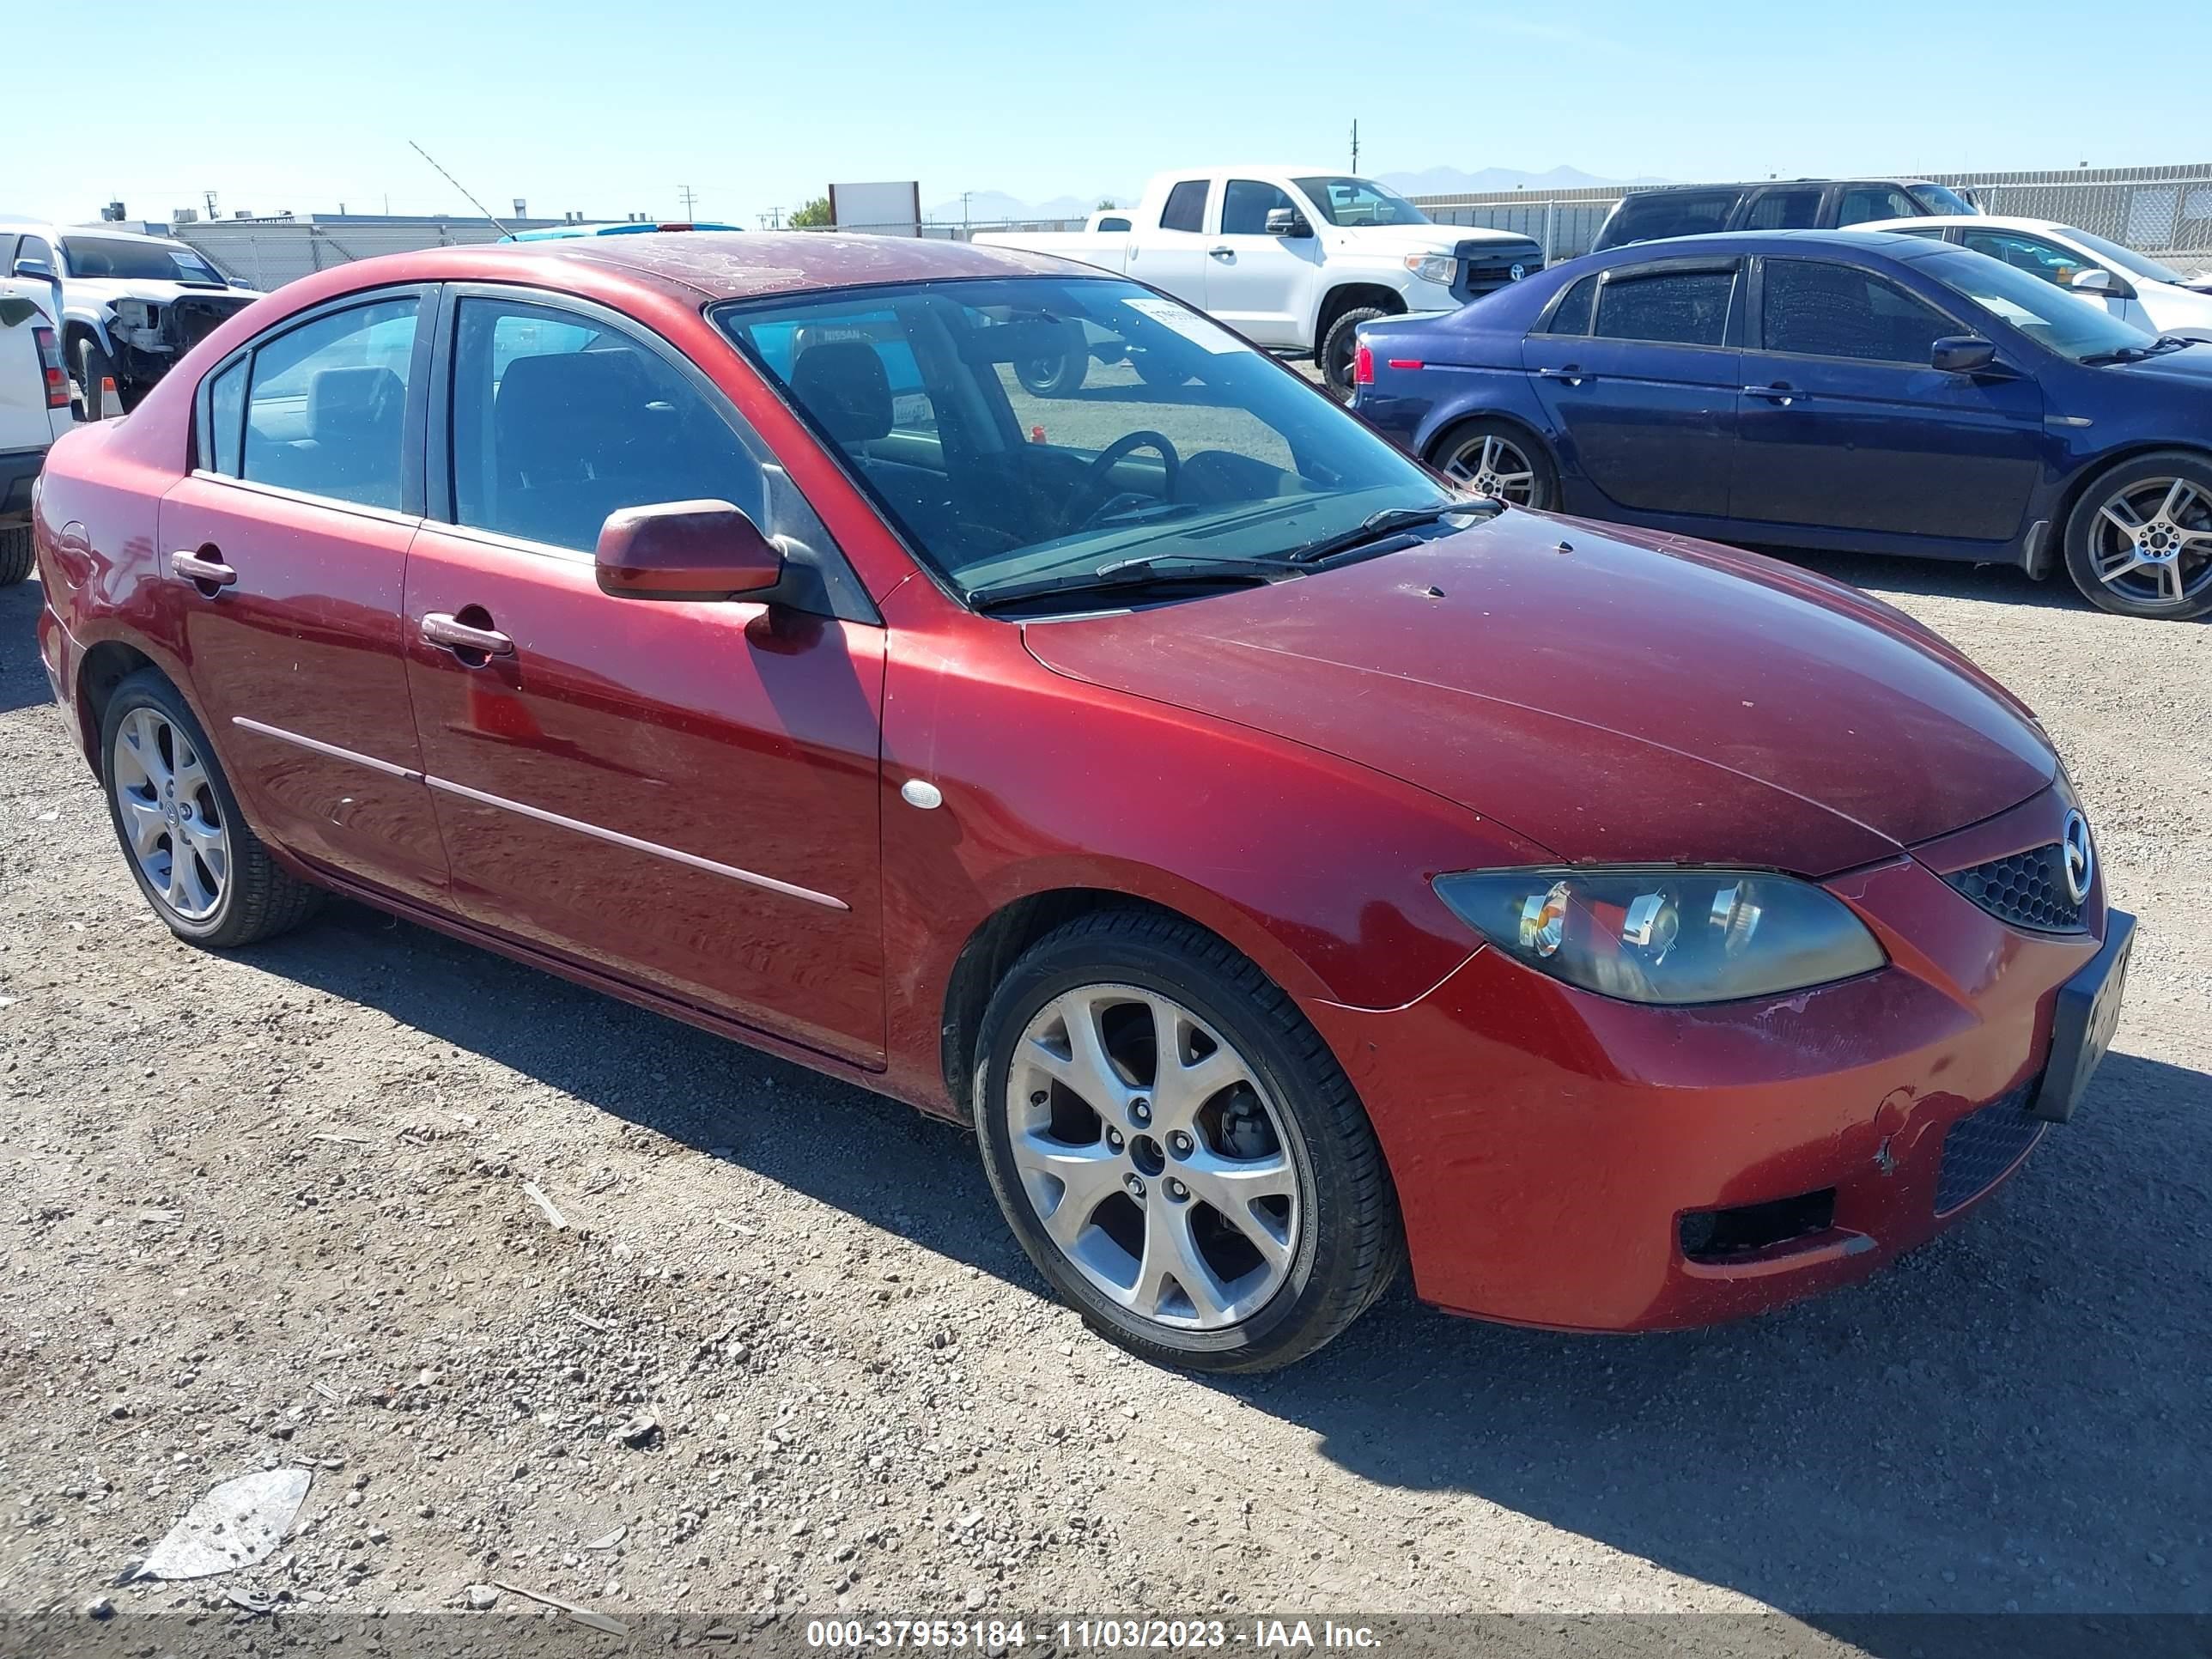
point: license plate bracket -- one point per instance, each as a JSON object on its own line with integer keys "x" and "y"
{"x": 2081, "y": 1027}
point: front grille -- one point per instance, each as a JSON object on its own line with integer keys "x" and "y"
{"x": 2027, "y": 889}
{"x": 1484, "y": 267}
{"x": 1983, "y": 1144}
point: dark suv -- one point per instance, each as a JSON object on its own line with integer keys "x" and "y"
{"x": 1651, "y": 216}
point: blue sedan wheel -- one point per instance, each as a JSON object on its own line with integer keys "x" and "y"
{"x": 1492, "y": 460}
{"x": 2140, "y": 541}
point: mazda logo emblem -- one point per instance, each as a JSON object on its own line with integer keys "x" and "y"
{"x": 2081, "y": 856}
{"x": 1517, "y": 272}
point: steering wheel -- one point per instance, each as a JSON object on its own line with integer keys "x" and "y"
{"x": 1097, "y": 482}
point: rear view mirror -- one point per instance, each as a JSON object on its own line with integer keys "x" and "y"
{"x": 685, "y": 551}
{"x": 1962, "y": 354}
{"x": 1286, "y": 222}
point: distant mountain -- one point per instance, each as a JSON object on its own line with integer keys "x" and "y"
{"x": 1450, "y": 181}
{"x": 988, "y": 206}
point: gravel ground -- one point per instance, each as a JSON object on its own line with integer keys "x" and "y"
{"x": 271, "y": 1208}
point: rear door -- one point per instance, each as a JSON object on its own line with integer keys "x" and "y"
{"x": 1844, "y": 426}
{"x": 1171, "y": 254}
{"x": 1636, "y": 369}
{"x": 681, "y": 793}
{"x": 1261, "y": 285}
{"x": 284, "y": 549}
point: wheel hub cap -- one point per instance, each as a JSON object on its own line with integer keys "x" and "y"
{"x": 172, "y": 824}
{"x": 2151, "y": 542}
{"x": 1155, "y": 1162}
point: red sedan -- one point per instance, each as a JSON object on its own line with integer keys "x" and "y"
{"x": 1289, "y": 864}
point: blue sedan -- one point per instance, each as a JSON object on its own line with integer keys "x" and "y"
{"x": 1842, "y": 390}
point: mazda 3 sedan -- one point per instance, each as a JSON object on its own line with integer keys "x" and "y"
{"x": 1854, "y": 391}
{"x": 1290, "y": 865}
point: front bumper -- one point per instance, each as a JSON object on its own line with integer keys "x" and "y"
{"x": 1549, "y": 1144}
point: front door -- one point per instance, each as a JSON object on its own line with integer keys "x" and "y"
{"x": 1844, "y": 425}
{"x": 1259, "y": 284}
{"x": 284, "y": 553}
{"x": 1638, "y": 376}
{"x": 682, "y": 793}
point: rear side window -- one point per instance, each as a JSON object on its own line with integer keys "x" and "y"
{"x": 1114, "y": 222}
{"x": 1677, "y": 308}
{"x": 559, "y": 420}
{"x": 1572, "y": 314}
{"x": 1670, "y": 213}
{"x": 1785, "y": 209}
{"x": 1863, "y": 203}
{"x": 1814, "y": 309}
{"x": 1186, "y": 207}
{"x": 327, "y": 403}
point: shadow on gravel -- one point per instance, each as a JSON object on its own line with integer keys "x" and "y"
{"x": 2013, "y": 1417}
{"x": 22, "y": 681}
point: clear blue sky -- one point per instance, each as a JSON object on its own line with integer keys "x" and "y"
{"x": 608, "y": 108}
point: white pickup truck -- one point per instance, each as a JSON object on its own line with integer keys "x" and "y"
{"x": 1292, "y": 259}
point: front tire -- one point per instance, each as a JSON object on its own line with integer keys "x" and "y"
{"x": 15, "y": 554}
{"x": 200, "y": 866}
{"x": 2139, "y": 542}
{"x": 1337, "y": 347}
{"x": 93, "y": 365}
{"x": 1177, "y": 1149}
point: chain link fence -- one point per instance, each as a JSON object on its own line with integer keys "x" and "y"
{"x": 2165, "y": 212}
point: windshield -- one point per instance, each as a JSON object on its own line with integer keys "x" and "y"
{"x": 1360, "y": 201}
{"x": 1039, "y": 426}
{"x": 2125, "y": 258}
{"x": 2051, "y": 316}
{"x": 107, "y": 257}
{"x": 1940, "y": 198}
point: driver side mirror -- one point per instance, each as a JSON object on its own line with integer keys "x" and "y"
{"x": 37, "y": 270}
{"x": 685, "y": 551}
{"x": 1962, "y": 354}
{"x": 1287, "y": 222}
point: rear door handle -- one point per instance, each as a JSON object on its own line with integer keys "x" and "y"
{"x": 1571, "y": 374}
{"x": 439, "y": 628}
{"x": 1222, "y": 252}
{"x": 208, "y": 573}
{"x": 1784, "y": 395}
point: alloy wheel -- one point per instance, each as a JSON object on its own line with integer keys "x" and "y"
{"x": 172, "y": 820}
{"x": 2151, "y": 542}
{"x": 1153, "y": 1158}
{"x": 1493, "y": 466}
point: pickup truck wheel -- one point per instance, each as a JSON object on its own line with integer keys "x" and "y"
{"x": 1059, "y": 376}
{"x": 93, "y": 366}
{"x": 1337, "y": 347}
{"x": 1153, "y": 372}
{"x": 15, "y": 553}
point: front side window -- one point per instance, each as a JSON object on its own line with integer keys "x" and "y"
{"x": 2035, "y": 255}
{"x": 327, "y": 402}
{"x": 2127, "y": 258}
{"x": 1815, "y": 309}
{"x": 559, "y": 420}
{"x": 1785, "y": 209}
{"x": 1246, "y": 205}
{"x": 36, "y": 247}
{"x": 112, "y": 258}
{"x": 1864, "y": 203}
{"x": 1360, "y": 201}
{"x": 1186, "y": 207}
{"x": 2052, "y": 318}
{"x": 1182, "y": 441}
{"x": 1940, "y": 198}
{"x": 1675, "y": 307}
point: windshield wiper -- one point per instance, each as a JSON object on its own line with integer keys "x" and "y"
{"x": 2127, "y": 354}
{"x": 1378, "y": 526}
{"x": 1158, "y": 570}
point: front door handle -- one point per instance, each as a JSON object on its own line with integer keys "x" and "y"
{"x": 1222, "y": 252}
{"x": 1571, "y": 374}
{"x": 457, "y": 636}
{"x": 1784, "y": 395}
{"x": 206, "y": 572}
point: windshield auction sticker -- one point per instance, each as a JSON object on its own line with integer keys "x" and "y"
{"x": 1189, "y": 323}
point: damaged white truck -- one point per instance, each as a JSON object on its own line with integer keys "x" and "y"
{"x": 131, "y": 305}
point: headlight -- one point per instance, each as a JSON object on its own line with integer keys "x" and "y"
{"x": 1438, "y": 268}
{"x": 1666, "y": 935}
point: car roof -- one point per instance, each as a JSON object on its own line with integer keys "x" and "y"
{"x": 1765, "y": 184}
{"x": 1740, "y": 242}
{"x": 612, "y": 227}
{"x": 48, "y": 227}
{"x": 2000, "y": 221}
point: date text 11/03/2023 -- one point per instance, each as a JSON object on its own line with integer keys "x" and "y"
{"x": 998, "y": 1635}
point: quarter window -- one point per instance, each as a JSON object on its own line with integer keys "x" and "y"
{"x": 1817, "y": 310}
{"x": 559, "y": 420}
{"x": 327, "y": 404}
{"x": 1679, "y": 307}
{"x": 1572, "y": 315}
{"x": 1186, "y": 207}
{"x": 226, "y": 404}
{"x": 1247, "y": 204}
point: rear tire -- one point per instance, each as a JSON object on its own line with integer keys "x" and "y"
{"x": 15, "y": 554}
{"x": 199, "y": 864}
{"x": 2139, "y": 542}
{"x": 1497, "y": 459}
{"x": 1057, "y": 377}
{"x": 1153, "y": 371}
{"x": 1252, "y": 1115}
{"x": 1337, "y": 347}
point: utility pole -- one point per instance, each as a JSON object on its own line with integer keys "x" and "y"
{"x": 689, "y": 196}
{"x": 211, "y": 202}
{"x": 1355, "y": 143}
{"x": 964, "y": 195}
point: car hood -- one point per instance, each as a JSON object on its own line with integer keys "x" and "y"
{"x": 108, "y": 289}
{"x": 1612, "y": 696}
{"x": 2190, "y": 366}
{"x": 1423, "y": 239}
